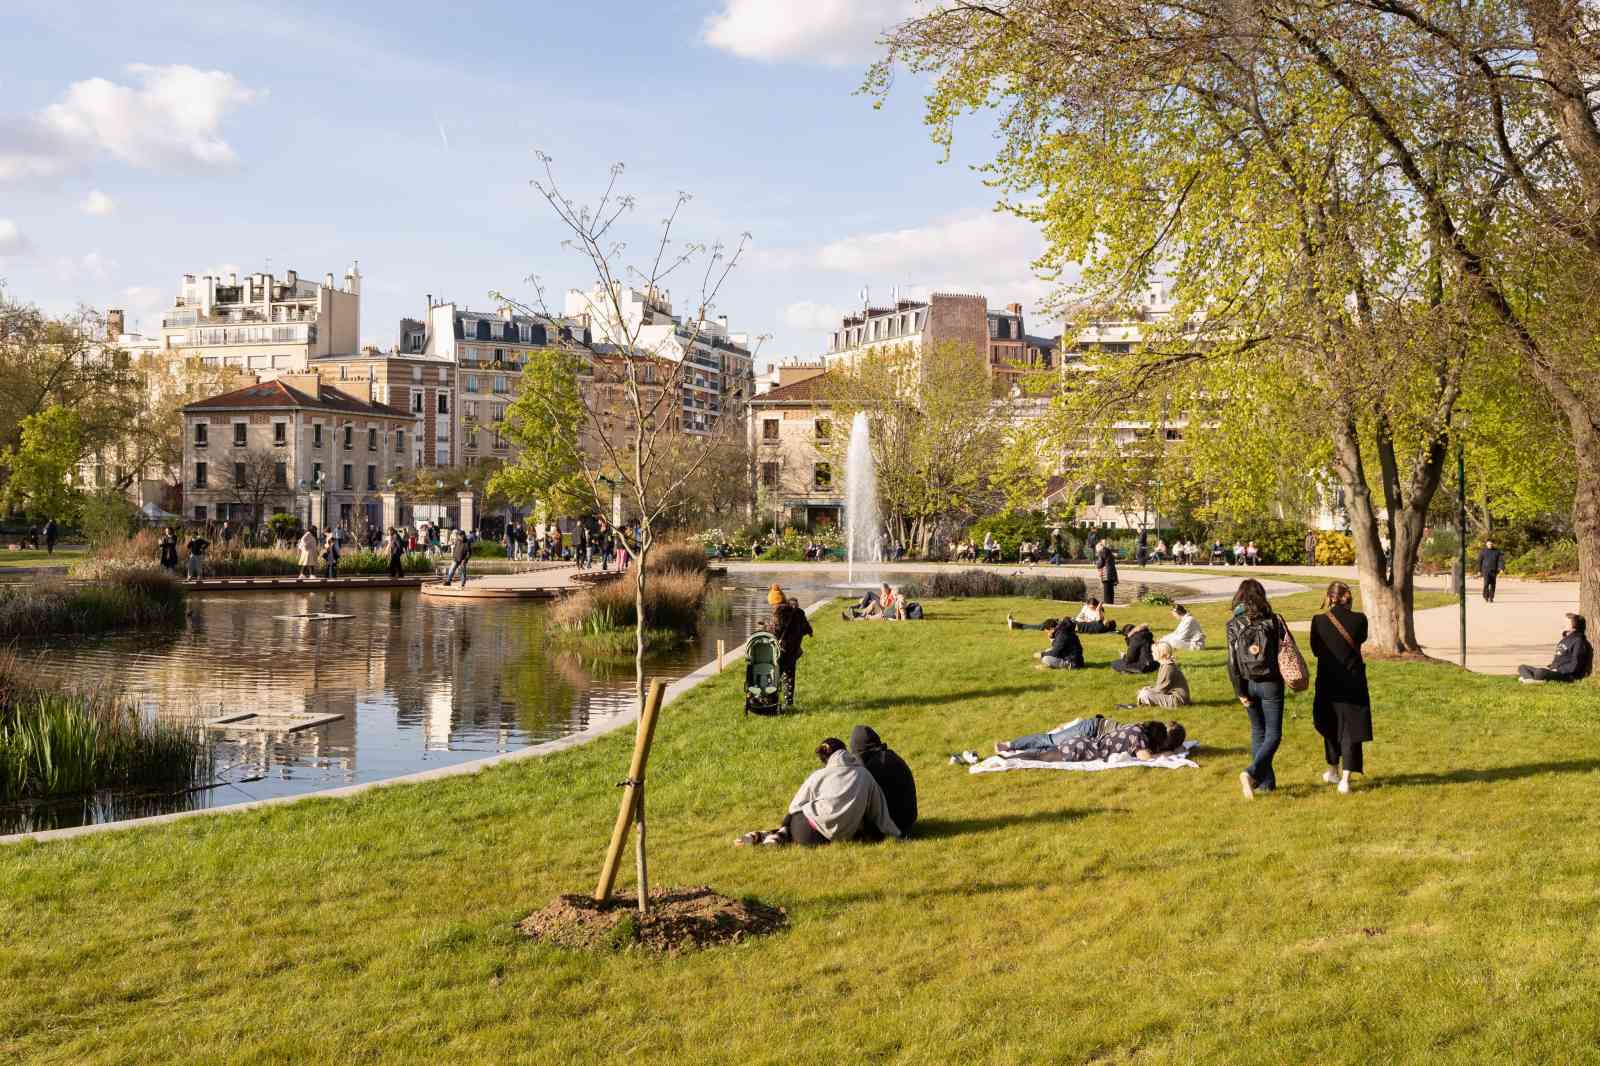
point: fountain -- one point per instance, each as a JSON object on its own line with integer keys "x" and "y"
{"x": 862, "y": 527}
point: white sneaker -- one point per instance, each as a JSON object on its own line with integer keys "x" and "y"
{"x": 1246, "y": 785}
{"x": 1530, "y": 680}
{"x": 1344, "y": 787}
{"x": 1331, "y": 776}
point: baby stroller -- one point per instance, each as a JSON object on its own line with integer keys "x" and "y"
{"x": 762, "y": 685}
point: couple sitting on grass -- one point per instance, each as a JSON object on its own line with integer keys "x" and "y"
{"x": 882, "y": 604}
{"x": 1144, "y": 654}
{"x": 1093, "y": 738}
{"x": 863, "y": 793}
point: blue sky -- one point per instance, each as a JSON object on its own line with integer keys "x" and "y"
{"x": 139, "y": 142}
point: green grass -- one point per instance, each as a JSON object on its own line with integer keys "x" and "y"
{"x": 1444, "y": 912}
{"x": 31, "y": 558}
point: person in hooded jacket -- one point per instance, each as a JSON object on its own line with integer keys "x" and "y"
{"x": 1065, "y": 651}
{"x": 790, "y": 626}
{"x": 834, "y": 804}
{"x": 1574, "y": 658}
{"x": 1137, "y": 658}
{"x": 891, "y": 773}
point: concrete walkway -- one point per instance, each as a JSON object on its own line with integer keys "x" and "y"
{"x": 540, "y": 581}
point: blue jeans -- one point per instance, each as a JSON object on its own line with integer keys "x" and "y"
{"x": 1266, "y": 730}
{"x": 1043, "y": 741}
{"x": 450, "y": 574}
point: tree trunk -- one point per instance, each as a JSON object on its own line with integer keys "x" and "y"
{"x": 1586, "y": 528}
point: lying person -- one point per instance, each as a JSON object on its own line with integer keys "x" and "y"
{"x": 836, "y": 802}
{"x": 1171, "y": 688}
{"x": 1574, "y": 658}
{"x": 883, "y": 605}
{"x": 893, "y": 776}
{"x": 1142, "y": 740}
{"x": 1136, "y": 659}
{"x": 1095, "y": 725}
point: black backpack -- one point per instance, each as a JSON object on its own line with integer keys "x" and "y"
{"x": 1256, "y": 649}
{"x": 913, "y": 611}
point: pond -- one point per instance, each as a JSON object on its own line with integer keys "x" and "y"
{"x": 416, "y": 685}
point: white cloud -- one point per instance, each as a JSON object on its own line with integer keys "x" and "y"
{"x": 92, "y": 266}
{"x": 832, "y": 32}
{"x": 170, "y": 120}
{"x": 143, "y": 298}
{"x": 967, "y": 242}
{"x": 98, "y": 203}
{"x": 12, "y": 240}
{"x": 808, "y": 314}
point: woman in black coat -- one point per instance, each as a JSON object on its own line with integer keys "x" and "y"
{"x": 1342, "y": 710}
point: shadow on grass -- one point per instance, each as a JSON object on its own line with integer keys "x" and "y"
{"x": 1492, "y": 773}
{"x": 886, "y": 702}
{"x": 940, "y": 828}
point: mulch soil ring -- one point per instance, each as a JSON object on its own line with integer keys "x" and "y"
{"x": 680, "y": 919}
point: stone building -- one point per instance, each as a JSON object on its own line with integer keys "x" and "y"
{"x": 262, "y": 324}
{"x": 425, "y": 385}
{"x": 1000, "y": 337}
{"x": 790, "y": 435}
{"x": 295, "y": 444}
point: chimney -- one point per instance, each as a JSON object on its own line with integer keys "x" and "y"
{"x": 327, "y": 280}
{"x": 114, "y": 323}
{"x": 1015, "y": 309}
{"x": 233, "y": 279}
{"x": 290, "y": 277}
{"x": 308, "y": 382}
{"x": 505, "y": 313}
{"x": 430, "y": 299}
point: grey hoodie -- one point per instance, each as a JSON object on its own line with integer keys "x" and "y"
{"x": 841, "y": 797}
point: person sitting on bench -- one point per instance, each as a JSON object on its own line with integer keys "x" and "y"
{"x": 841, "y": 801}
{"x": 1574, "y": 658}
{"x": 1137, "y": 658}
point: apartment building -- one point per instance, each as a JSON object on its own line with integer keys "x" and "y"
{"x": 1000, "y": 337}
{"x": 718, "y": 365}
{"x": 424, "y": 385}
{"x": 297, "y": 444}
{"x": 262, "y": 324}
{"x": 791, "y": 435}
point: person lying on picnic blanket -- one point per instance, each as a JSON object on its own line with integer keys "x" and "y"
{"x": 1090, "y": 740}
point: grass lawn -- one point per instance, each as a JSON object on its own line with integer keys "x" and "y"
{"x": 1446, "y": 911}
{"x": 30, "y": 557}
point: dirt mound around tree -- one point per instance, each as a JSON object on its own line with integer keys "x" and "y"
{"x": 680, "y": 919}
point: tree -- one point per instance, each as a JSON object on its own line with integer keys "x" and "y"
{"x": 1328, "y": 312}
{"x": 549, "y": 466}
{"x": 42, "y": 464}
{"x": 258, "y": 478}
{"x": 937, "y": 434}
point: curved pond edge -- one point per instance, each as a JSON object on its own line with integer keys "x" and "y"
{"x": 675, "y": 689}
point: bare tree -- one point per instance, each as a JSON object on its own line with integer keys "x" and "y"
{"x": 257, "y": 479}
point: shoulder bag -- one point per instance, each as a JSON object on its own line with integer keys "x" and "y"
{"x": 1291, "y": 664}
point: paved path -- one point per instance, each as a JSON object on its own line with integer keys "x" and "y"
{"x": 541, "y": 580}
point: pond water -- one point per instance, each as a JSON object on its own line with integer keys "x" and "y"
{"x": 418, "y": 684}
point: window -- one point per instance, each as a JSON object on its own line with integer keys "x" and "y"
{"x": 416, "y": 401}
{"x": 280, "y": 433}
{"x": 280, "y": 474}
{"x": 316, "y": 435}
{"x": 470, "y": 409}
{"x": 400, "y": 441}
{"x": 349, "y": 480}
{"x": 372, "y": 438}
{"x": 238, "y": 474}
{"x": 469, "y": 327}
{"x": 500, "y": 383}
{"x": 239, "y": 432}
{"x": 472, "y": 383}
{"x": 349, "y": 436}
{"x": 199, "y": 475}
{"x": 824, "y": 428}
{"x": 769, "y": 429}
{"x": 444, "y": 403}
{"x": 416, "y": 373}
{"x": 769, "y": 474}
{"x": 199, "y": 512}
{"x": 372, "y": 478}
{"x": 822, "y": 476}
{"x": 200, "y": 431}
{"x": 316, "y": 475}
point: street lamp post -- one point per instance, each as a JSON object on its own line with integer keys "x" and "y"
{"x": 1461, "y": 531}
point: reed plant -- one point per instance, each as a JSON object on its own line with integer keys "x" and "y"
{"x": 969, "y": 584}
{"x": 108, "y": 596}
{"x": 234, "y": 559}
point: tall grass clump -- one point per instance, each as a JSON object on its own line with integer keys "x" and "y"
{"x": 683, "y": 557}
{"x": 601, "y": 619}
{"x": 58, "y": 742}
{"x": 111, "y": 596}
{"x": 236, "y": 560}
{"x": 972, "y": 584}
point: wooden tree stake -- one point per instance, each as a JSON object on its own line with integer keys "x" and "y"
{"x": 632, "y": 789}
{"x": 722, "y": 647}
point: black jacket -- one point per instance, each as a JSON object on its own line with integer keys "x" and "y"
{"x": 1574, "y": 657}
{"x": 1137, "y": 658}
{"x": 1064, "y": 644}
{"x": 891, "y": 773}
{"x": 790, "y": 625}
{"x": 1491, "y": 561}
{"x": 1107, "y": 562}
{"x": 460, "y": 550}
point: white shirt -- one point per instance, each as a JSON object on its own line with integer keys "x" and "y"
{"x": 1187, "y": 636}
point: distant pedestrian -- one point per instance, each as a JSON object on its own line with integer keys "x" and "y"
{"x": 308, "y": 553}
{"x": 51, "y": 532}
{"x": 397, "y": 553}
{"x": 1106, "y": 561}
{"x": 1491, "y": 561}
{"x": 227, "y": 533}
{"x": 330, "y": 554}
{"x": 1342, "y": 709}
{"x": 167, "y": 551}
{"x": 1311, "y": 547}
{"x": 460, "y": 553}
{"x": 197, "y": 553}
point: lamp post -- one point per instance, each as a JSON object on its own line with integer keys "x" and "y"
{"x": 438, "y": 502}
{"x": 1461, "y": 527}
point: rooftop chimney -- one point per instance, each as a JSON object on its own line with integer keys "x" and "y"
{"x": 290, "y": 277}
{"x": 327, "y": 280}
{"x": 430, "y": 299}
{"x": 1015, "y": 309}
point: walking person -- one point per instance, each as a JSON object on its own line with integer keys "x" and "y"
{"x": 460, "y": 552}
{"x": 1341, "y": 709}
{"x": 1491, "y": 561}
{"x": 1106, "y": 560}
{"x": 51, "y": 533}
{"x": 397, "y": 553}
{"x": 308, "y": 553}
{"x": 1311, "y": 548}
{"x": 197, "y": 553}
{"x": 167, "y": 551}
{"x": 330, "y": 555}
{"x": 1254, "y": 633}
{"x": 790, "y": 626}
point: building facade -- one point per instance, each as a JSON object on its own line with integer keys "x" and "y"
{"x": 424, "y": 385}
{"x": 791, "y": 440}
{"x": 999, "y": 337}
{"x": 294, "y": 444}
{"x": 264, "y": 325}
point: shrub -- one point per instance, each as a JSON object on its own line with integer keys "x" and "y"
{"x": 108, "y": 517}
{"x": 1560, "y": 557}
{"x": 971, "y": 584}
{"x": 483, "y": 548}
{"x": 671, "y": 601}
{"x": 284, "y": 527}
{"x": 678, "y": 558}
{"x": 1335, "y": 549}
{"x": 1011, "y": 528}
{"x": 1439, "y": 551}
{"x": 1279, "y": 541}
{"x": 115, "y": 596}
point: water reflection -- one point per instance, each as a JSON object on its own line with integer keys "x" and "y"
{"x": 416, "y": 685}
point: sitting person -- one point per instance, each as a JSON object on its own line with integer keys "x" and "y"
{"x": 893, "y": 776}
{"x": 1137, "y": 658}
{"x": 1142, "y": 740}
{"x": 1574, "y": 658}
{"x": 1171, "y": 688}
{"x": 1065, "y": 651}
{"x": 881, "y": 604}
{"x": 1091, "y": 618}
{"x": 835, "y": 803}
{"x": 1186, "y": 634}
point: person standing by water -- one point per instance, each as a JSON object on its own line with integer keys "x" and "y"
{"x": 1107, "y": 562}
{"x": 790, "y": 626}
{"x": 308, "y": 553}
{"x": 397, "y": 553}
{"x": 1342, "y": 710}
{"x": 460, "y": 553}
{"x": 1254, "y": 633}
{"x": 1491, "y": 561}
{"x": 167, "y": 551}
{"x": 197, "y": 553}
{"x": 330, "y": 554}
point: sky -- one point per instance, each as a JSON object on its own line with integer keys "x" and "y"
{"x": 140, "y": 142}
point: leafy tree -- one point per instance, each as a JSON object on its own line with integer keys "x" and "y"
{"x": 108, "y": 517}
{"x": 42, "y": 463}
{"x": 549, "y": 465}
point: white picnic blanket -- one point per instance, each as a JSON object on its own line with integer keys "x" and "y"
{"x": 1172, "y": 760}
